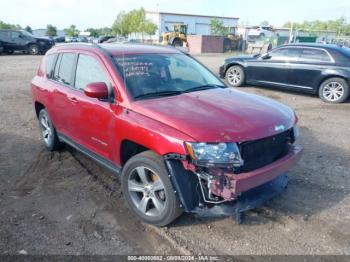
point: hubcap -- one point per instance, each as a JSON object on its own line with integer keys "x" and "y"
{"x": 146, "y": 191}
{"x": 333, "y": 91}
{"x": 45, "y": 129}
{"x": 234, "y": 76}
{"x": 34, "y": 50}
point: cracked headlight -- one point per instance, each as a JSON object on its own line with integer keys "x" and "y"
{"x": 214, "y": 154}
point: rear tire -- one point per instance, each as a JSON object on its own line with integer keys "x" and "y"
{"x": 148, "y": 190}
{"x": 334, "y": 90}
{"x": 235, "y": 76}
{"x": 48, "y": 131}
{"x": 33, "y": 49}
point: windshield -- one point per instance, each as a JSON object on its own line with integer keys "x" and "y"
{"x": 26, "y": 33}
{"x": 154, "y": 75}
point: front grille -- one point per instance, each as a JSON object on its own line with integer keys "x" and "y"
{"x": 259, "y": 153}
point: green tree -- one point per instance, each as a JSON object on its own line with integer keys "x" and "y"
{"x": 93, "y": 32}
{"x": 133, "y": 22}
{"x": 218, "y": 28}
{"x": 51, "y": 30}
{"x": 71, "y": 31}
{"x": 339, "y": 25}
{"x": 265, "y": 23}
{"x": 149, "y": 28}
{"x": 105, "y": 31}
{"x": 4, "y": 25}
{"x": 28, "y": 29}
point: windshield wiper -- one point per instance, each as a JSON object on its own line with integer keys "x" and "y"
{"x": 203, "y": 87}
{"x": 159, "y": 94}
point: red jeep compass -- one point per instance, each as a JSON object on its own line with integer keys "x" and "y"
{"x": 177, "y": 137}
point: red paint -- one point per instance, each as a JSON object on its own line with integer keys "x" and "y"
{"x": 97, "y": 90}
{"x": 243, "y": 182}
{"x": 161, "y": 125}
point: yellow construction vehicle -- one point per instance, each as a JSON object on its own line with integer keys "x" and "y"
{"x": 177, "y": 37}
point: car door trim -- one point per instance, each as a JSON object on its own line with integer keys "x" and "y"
{"x": 101, "y": 160}
{"x": 289, "y": 85}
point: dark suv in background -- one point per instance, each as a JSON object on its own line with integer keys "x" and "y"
{"x": 20, "y": 40}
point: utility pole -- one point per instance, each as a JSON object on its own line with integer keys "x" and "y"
{"x": 291, "y": 32}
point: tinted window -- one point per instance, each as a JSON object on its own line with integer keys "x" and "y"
{"x": 88, "y": 71}
{"x": 15, "y": 35}
{"x": 3, "y": 35}
{"x": 49, "y": 63}
{"x": 310, "y": 54}
{"x": 64, "y": 68}
{"x": 285, "y": 54}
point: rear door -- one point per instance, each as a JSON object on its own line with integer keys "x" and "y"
{"x": 272, "y": 68}
{"x": 64, "y": 103}
{"x": 5, "y": 39}
{"x": 17, "y": 41}
{"x": 307, "y": 71}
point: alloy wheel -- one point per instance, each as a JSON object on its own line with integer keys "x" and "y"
{"x": 147, "y": 191}
{"x": 234, "y": 76}
{"x": 46, "y": 129}
{"x": 333, "y": 91}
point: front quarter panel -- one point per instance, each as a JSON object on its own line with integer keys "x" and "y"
{"x": 149, "y": 133}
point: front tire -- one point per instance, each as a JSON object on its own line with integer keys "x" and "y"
{"x": 334, "y": 90}
{"x": 235, "y": 76}
{"x": 48, "y": 131}
{"x": 148, "y": 190}
{"x": 33, "y": 49}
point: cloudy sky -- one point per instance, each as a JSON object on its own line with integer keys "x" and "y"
{"x": 99, "y": 13}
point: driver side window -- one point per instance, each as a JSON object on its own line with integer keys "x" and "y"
{"x": 88, "y": 71}
{"x": 289, "y": 54}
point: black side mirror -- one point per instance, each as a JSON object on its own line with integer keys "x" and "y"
{"x": 266, "y": 56}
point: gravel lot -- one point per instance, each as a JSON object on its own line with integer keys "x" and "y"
{"x": 64, "y": 203}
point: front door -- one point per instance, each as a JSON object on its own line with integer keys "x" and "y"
{"x": 272, "y": 68}
{"x": 96, "y": 121}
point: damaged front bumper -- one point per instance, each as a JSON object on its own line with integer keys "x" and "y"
{"x": 221, "y": 192}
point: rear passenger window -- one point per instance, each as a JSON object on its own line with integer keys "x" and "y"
{"x": 313, "y": 55}
{"x": 88, "y": 71}
{"x": 64, "y": 68}
{"x": 50, "y": 59}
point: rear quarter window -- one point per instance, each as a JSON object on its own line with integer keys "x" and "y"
{"x": 314, "y": 55}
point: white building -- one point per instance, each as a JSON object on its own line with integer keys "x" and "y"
{"x": 196, "y": 24}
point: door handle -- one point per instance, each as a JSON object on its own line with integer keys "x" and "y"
{"x": 73, "y": 99}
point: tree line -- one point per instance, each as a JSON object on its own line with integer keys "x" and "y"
{"x": 125, "y": 24}
{"x": 341, "y": 26}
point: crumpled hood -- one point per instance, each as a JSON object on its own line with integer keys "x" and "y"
{"x": 219, "y": 115}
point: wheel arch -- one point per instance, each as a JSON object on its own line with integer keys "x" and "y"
{"x": 328, "y": 76}
{"x": 234, "y": 63}
{"x": 129, "y": 148}
{"x": 38, "y": 107}
{"x": 173, "y": 39}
